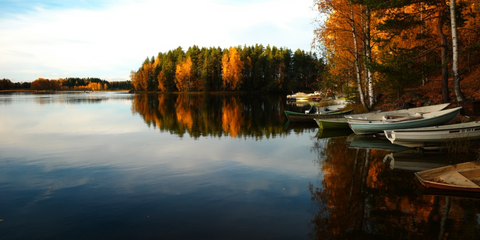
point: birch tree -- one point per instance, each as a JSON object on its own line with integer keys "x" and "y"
{"x": 456, "y": 76}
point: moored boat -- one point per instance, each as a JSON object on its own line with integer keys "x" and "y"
{"x": 301, "y": 96}
{"x": 332, "y": 123}
{"x": 458, "y": 177}
{"x": 338, "y": 123}
{"x": 333, "y": 111}
{"x": 302, "y": 117}
{"x": 420, "y": 137}
{"x": 380, "y": 115}
{"x": 416, "y": 120}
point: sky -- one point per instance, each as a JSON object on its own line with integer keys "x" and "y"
{"x": 108, "y": 38}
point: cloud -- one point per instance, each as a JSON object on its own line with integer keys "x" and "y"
{"x": 111, "y": 40}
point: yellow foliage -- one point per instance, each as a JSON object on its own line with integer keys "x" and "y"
{"x": 161, "y": 79}
{"x": 183, "y": 111}
{"x": 232, "y": 66}
{"x": 183, "y": 75}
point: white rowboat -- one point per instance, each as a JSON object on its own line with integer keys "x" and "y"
{"x": 420, "y": 137}
{"x": 411, "y": 121}
{"x": 379, "y": 115}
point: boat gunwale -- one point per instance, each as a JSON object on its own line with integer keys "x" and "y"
{"x": 435, "y": 172}
{"x": 438, "y": 128}
{"x": 298, "y": 114}
{"x": 413, "y": 119}
{"x": 437, "y": 107}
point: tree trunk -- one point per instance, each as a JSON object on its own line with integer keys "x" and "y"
{"x": 443, "y": 221}
{"x": 357, "y": 67}
{"x": 443, "y": 40}
{"x": 368, "y": 58}
{"x": 456, "y": 76}
{"x": 424, "y": 58}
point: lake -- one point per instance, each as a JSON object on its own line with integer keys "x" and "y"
{"x": 112, "y": 165}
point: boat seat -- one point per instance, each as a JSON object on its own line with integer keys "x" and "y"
{"x": 394, "y": 116}
{"x": 457, "y": 179}
{"x": 399, "y": 118}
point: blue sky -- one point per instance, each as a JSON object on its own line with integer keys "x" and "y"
{"x": 107, "y": 39}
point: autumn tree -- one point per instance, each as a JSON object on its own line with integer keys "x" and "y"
{"x": 134, "y": 80}
{"x": 346, "y": 35}
{"x": 232, "y": 67}
{"x": 398, "y": 44}
{"x": 45, "y": 84}
{"x": 183, "y": 75}
{"x": 6, "y": 84}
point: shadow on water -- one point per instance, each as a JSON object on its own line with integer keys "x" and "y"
{"x": 369, "y": 193}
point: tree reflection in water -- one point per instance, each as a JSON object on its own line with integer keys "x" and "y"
{"x": 361, "y": 197}
{"x": 233, "y": 115}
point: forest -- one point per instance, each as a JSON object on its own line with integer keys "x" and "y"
{"x": 247, "y": 68}
{"x": 83, "y": 84}
{"x": 368, "y": 48}
{"x": 383, "y": 47}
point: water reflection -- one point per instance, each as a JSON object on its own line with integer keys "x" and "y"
{"x": 331, "y": 133}
{"x": 362, "y": 197}
{"x": 97, "y": 171}
{"x": 63, "y": 97}
{"x": 231, "y": 115}
{"x": 373, "y": 142}
{"x": 416, "y": 160}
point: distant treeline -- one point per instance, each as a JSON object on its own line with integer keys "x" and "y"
{"x": 66, "y": 84}
{"x": 247, "y": 68}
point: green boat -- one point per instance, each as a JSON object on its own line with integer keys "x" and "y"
{"x": 332, "y": 123}
{"x": 308, "y": 117}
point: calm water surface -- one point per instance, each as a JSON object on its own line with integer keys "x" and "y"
{"x": 123, "y": 166}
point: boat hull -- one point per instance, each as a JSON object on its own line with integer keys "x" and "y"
{"x": 332, "y": 123}
{"x": 430, "y": 119}
{"x": 302, "y": 117}
{"x": 420, "y": 137}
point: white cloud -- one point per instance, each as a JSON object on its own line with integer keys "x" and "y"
{"x": 110, "y": 42}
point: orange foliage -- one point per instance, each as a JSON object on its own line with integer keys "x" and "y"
{"x": 161, "y": 79}
{"x": 335, "y": 33}
{"x": 146, "y": 74}
{"x": 94, "y": 86}
{"x": 431, "y": 92}
{"x": 232, "y": 117}
{"x": 184, "y": 112}
{"x": 183, "y": 75}
{"x": 45, "y": 84}
{"x": 232, "y": 67}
